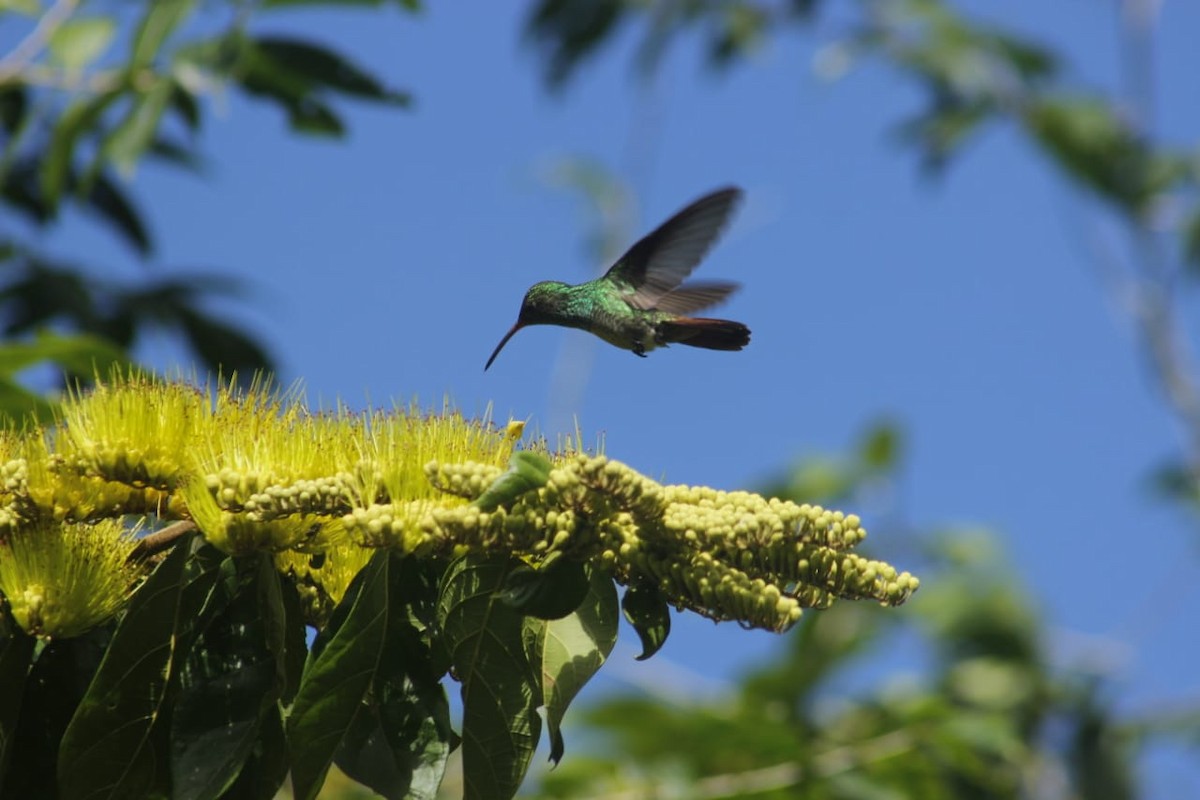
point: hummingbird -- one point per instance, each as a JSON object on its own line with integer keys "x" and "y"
{"x": 642, "y": 301}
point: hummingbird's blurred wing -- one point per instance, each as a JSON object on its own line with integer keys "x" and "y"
{"x": 692, "y": 297}
{"x": 658, "y": 263}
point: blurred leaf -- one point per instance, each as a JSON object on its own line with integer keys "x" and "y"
{"x": 817, "y": 479}
{"x": 178, "y": 154}
{"x": 81, "y": 40}
{"x": 338, "y": 676}
{"x": 130, "y": 138}
{"x": 22, "y": 191}
{"x": 1093, "y": 145}
{"x": 294, "y": 73}
{"x": 112, "y": 747}
{"x": 42, "y": 294}
{"x": 569, "y": 31}
{"x": 79, "y": 355}
{"x": 974, "y": 610}
{"x": 526, "y": 471}
{"x": 646, "y": 610}
{"x": 18, "y": 405}
{"x": 1191, "y": 241}
{"x": 501, "y": 725}
{"x": 569, "y": 651}
{"x": 109, "y": 201}
{"x": 222, "y": 347}
{"x": 1100, "y": 753}
{"x": 1176, "y": 482}
{"x": 741, "y": 31}
{"x": 941, "y": 131}
{"x": 80, "y": 117}
{"x": 548, "y": 591}
{"x": 822, "y": 645}
{"x": 313, "y": 65}
{"x": 1032, "y": 62}
{"x": 880, "y": 449}
{"x": 161, "y": 19}
{"x": 14, "y": 104}
{"x": 184, "y": 104}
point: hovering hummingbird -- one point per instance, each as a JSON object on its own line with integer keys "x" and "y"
{"x": 642, "y": 302}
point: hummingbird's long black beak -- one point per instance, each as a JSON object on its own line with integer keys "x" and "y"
{"x": 516, "y": 327}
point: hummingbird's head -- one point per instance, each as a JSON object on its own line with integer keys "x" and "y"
{"x": 541, "y": 303}
{"x": 538, "y": 307}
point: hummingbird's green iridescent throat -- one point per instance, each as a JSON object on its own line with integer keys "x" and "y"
{"x": 642, "y": 301}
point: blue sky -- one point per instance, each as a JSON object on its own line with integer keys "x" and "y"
{"x": 968, "y": 309}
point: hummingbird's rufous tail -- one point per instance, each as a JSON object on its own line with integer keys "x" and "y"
{"x": 713, "y": 334}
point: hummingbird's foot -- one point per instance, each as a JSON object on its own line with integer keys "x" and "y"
{"x": 639, "y": 350}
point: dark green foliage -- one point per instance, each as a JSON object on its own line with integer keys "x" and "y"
{"x": 501, "y": 725}
{"x": 551, "y": 590}
{"x": 400, "y": 739}
{"x": 647, "y": 611}
{"x": 370, "y": 697}
{"x": 232, "y": 680}
{"x": 118, "y": 737}
{"x": 55, "y": 153}
{"x": 54, "y": 685}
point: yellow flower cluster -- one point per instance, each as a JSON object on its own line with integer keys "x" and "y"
{"x": 62, "y": 580}
{"x": 256, "y": 472}
{"x": 726, "y": 555}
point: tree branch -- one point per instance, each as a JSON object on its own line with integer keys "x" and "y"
{"x": 28, "y": 49}
{"x": 157, "y": 542}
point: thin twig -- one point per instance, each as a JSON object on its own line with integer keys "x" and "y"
{"x": 156, "y": 542}
{"x": 28, "y": 49}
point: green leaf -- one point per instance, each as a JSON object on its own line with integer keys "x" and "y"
{"x": 185, "y": 106}
{"x": 549, "y": 591}
{"x": 80, "y": 355}
{"x": 54, "y": 687}
{"x": 18, "y": 405}
{"x": 116, "y": 745}
{"x": 221, "y": 346}
{"x": 295, "y": 73}
{"x": 231, "y": 681}
{"x": 569, "y": 651}
{"x": 161, "y": 19}
{"x": 267, "y": 767}
{"x": 338, "y": 676}
{"x": 106, "y": 199}
{"x": 79, "y": 41}
{"x": 135, "y": 133}
{"x": 1191, "y": 241}
{"x": 294, "y": 637}
{"x": 313, "y": 65}
{"x": 646, "y": 610}
{"x": 570, "y": 31}
{"x": 79, "y": 118}
{"x": 526, "y": 471}
{"x": 879, "y": 449}
{"x": 16, "y": 652}
{"x": 1095, "y": 146}
{"x": 499, "y": 692}
{"x": 401, "y": 738}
